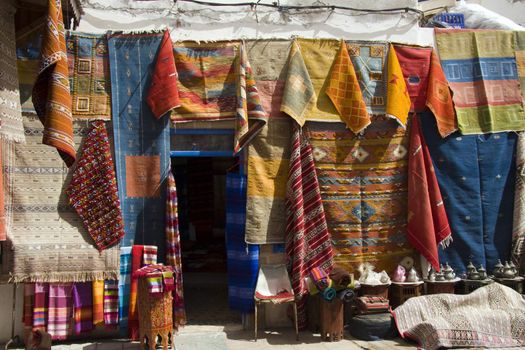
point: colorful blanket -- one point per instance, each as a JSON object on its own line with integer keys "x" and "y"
{"x": 98, "y": 303}
{"x": 111, "y": 302}
{"x": 490, "y": 317}
{"x": 481, "y": 69}
{"x": 149, "y": 255}
{"x": 307, "y": 238}
{"x": 370, "y": 59}
{"x": 29, "y": 305}
{"x": 520, "y": 59}
{"x": 51, "y": 96}
{"x": 48, "y": 242}
{"x": 518, "y": 223}
{"x": 41, "y": 306}
{"x": 397, "y": 98}
{"x": 427, "y": 85}
{"x": 363, "y": 181}
{"x": 163, "y": 94}
{"x": 427, "y": 225}
{"x": 60, "y": 310}
{"x": 345, "y": 92}
{"x": 174, "y": 253}
{"x": 243, "y": 258}
{"x": 87, "y": 56}
{"x": 269, "y": 152}
{"x": 137, "y": 253}
{"x": 124, "y": 284}
{"x": 93, "y": 189}
{"x": 83, "y": 307}
{"x": 470, "y": 169}
{"x": 216, "y": 83}
{"x": 142, "y": 142}
{"x": 299, "y": 95}
{"x": 11, "y": 128}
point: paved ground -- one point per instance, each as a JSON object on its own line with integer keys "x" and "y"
{"x": 235, "y": 338}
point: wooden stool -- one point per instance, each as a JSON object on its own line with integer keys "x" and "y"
{"x": 468, "y": 286}
{"x": 331, "y": 319}
{"x": 515, "y": 283}
{"x": 438, "y": 287}
{"x": 402, "y": 291}
{"x": 155, "y": 317}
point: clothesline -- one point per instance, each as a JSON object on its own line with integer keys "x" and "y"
{"x": 280, "y": 7}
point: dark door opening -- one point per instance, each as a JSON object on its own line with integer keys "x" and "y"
{"x": 201, "y": 196}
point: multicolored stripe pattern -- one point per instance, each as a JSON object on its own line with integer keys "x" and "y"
{"x": 60, "y": 310}
{"x": 307, "y": 238}
{"x": 481, "y": 69}
{"x": 111, "y": 302}
{"x": 173, "y": 252}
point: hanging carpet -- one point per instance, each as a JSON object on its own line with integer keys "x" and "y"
{"x": 481, "y": 69}
{"x": 48, "y": 242}
{"x": 476, "y": 175}
{"x": 142, "y": 141}
{"x": 363, "y": 182}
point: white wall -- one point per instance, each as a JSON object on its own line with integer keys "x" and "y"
{"x": 514, "y": 10}
{"x": 200, "y": 23}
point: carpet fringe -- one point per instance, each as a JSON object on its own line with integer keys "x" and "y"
{"x": 64, "y": 277}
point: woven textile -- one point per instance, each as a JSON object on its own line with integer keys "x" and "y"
{"x": 10, "y": 109}
{"x": 345, "y": 92}
{"x": 174, "y": 253}
{"x": 481, "y": 69}
{"x": 124, "y": 284}
{"x": 248, "y": 104}
{"x": 29, "y": 305}
{"x": 307, "y": 238}
{"x": 427, "y": 85}
{"x": 60, "y": 310}
{"x": 520, "y": 60}
{"x": 98, "y": 303}
{"x": 491, "y": 317}
{"x": 93, "y": 189}
{"x": 137, "y": 253}
{"x": 269, "y": 152}
{"x": 363, "y": 184}
{"x": 142, "y": 142}
{"x": 3, "y": 218}
{"x": 87, "y": 57}
{"x": 299, "y": 92}
{"x": 243, "y": 258}
{"x": 163, "y": 94}
{"x": 398, "y": 100}
{"x": 111, "y": 302}
{"x": 370, "y": 60}
{"x": 48, "y": 242}
{"x": 518, "y": 225}
{"x": 427, "y": 225}
{"x": 83, "y": 307}
{"x": 149, "y": 255}
{"x": 51, "y": 96}
{"x": 216, "y": 83}
{"x": 470, "y": 169}
{"x": 40, "y": 309}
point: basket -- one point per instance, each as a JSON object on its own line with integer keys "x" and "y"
{"x": 401, "y": 292}
{"x": 380, "y": 290}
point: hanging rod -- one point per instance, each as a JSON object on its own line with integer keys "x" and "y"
{"x": 308, "y": 7}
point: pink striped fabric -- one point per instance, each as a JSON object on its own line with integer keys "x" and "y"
{"x": 60, "y": 310}
{"x": 110, "y": 302}
{"x": 173, "y": 257}
{"x": 150, "y": 255}
{"x": 308, "y": 242}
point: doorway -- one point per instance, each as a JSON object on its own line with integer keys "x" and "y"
{"x": 201, "y": 196}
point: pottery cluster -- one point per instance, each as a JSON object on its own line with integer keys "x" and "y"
{"x": 508, "y": 270}
{"x": 446, "y": 273}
